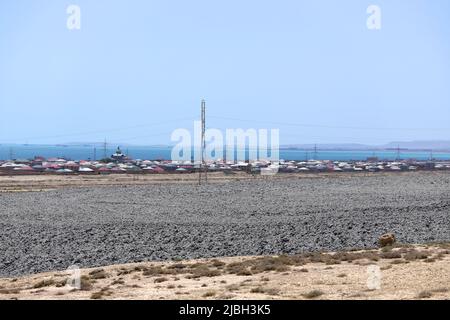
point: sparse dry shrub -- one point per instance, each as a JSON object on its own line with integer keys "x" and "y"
{"x": 10, "y": 291}
{"x": 210, "y": 293}
{"x": 203, "y": 271}
{"x": 97, "y": 295}
{"x": 425, "y": 295}
{"x": 98, "y": 274}
{"x": 331, "y": 262}
{"x": 61, "y": 283}
{"x": 155, "y": 271}
{"x": 244, "y": 273}
{"x": 390, "y": 255}
{"x": 398, "y": 261}
{"x": 178, "y": 266}
{"x": 118, "y": 281}
{"x": 196, "y": 265}
{"x": 353, "y": 256}
{"x": 217, "y": 263}
{"x": 440, "y": 290}
{"x": 140, "y": 268}
{"x": 122, "y": 272}
{"x": 44, "y": 283}
{"x": 233, "y": 287}
{"x": 313, "y": 294}
{"x": 85, "y": 283}
{"x": 161, "y": 279}
{"x": 282, "y": 269}
{"x": 318, "y": 257}
{"x": 416, "y": 255}
{"x": 257, "y": 290}
{"x": 226, "y": 296}
{"x": 268, "y": 291}
{"x": 272, "y": 291}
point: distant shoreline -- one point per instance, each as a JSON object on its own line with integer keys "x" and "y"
{"x": 326, "y": 148}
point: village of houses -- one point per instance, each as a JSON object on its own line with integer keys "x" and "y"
{"x": 119, "y": 163}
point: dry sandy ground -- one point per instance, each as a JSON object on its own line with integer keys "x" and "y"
{"x": 43, "y": 182}
{"x": 406, "y": 272}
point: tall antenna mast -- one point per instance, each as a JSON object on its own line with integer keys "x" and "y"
{"x": 203, "y": 166}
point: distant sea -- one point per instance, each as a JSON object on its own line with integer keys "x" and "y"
{"x": 86, "y": 152}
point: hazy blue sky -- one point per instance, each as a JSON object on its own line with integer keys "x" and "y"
{"x": 144, "y": 66}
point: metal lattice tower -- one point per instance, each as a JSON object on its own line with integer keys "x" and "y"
{"x": 203, "y": 168}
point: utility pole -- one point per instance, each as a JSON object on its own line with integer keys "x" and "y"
{"x": 203, "y": 166}
{"x": 398, "y": 152}
{"x": 95, "y": 154}
{"x": 315, "y": 152}
{"x": 104, "y": 149}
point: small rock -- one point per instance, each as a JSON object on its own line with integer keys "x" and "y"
{"x": 387, "y": 239}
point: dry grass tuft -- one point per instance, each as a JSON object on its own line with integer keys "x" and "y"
{"x": 161, "y": 279}
{"x": 85, "y": 283}
{"x": 217, "y": 263}
{"x": 98, "y": 274}
{"x": 440, "y": 290}
{"x": 9, "y": 291}
{"x": 233, "y": 287}
{"x": 416, "y": 255}
{"x": 425, "y": 295}
{"x": 97, "y": 295}
{"x": 203, "y": 271}
{"x": 390, "y": 255}
{"x": 210, "y": 293}
{"x": 44, "y": 283}
{"x": 268, "y": 291}
{"x": 313, "y": 294}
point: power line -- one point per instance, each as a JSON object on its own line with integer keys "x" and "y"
{"x": 308, "y": 125}
{"x": 107, "y": 130}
